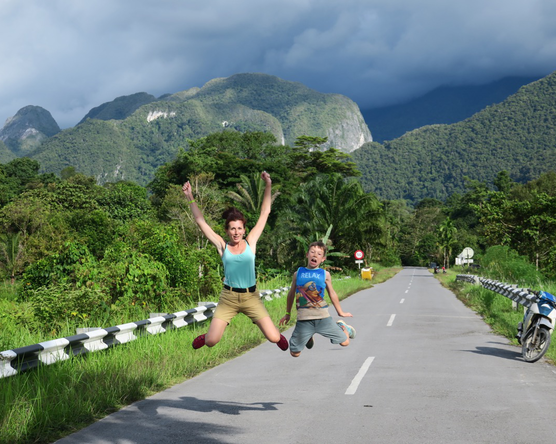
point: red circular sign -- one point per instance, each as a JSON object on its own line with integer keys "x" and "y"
{"x": 359, "y": 254}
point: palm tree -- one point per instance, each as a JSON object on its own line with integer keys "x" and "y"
{"x": 330, "y": 201}
{"x": 208, "y": 197}
{"x": 447, "y": 239}
{"x": 251, "y": 192}
{"x": 305, "y": 242}
{"x": 11, "y": 253}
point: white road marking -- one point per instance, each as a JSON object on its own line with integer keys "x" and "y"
{"x": 391, "y": 321}
{"x": 402, "y": 301}
{"x": 359, "y": 376}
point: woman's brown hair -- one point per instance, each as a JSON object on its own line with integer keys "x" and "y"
{"x": 232, "y": 214}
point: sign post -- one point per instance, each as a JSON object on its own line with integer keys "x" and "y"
{"x": 359, "y": 255}
{"x": 467, "y": 253}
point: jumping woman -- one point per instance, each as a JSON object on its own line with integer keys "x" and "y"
{"x": 240, "y": 294}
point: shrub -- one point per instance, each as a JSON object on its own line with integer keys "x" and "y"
{"x": 58, "y": 268}
{"x": 15, "y": 320}
{"x": 503, "y": 263}
{"x": 133, "y": 278}
{"x": 95, "y": 229}
{"x": 193, "y": 270}
{"x": 55, "y": 305}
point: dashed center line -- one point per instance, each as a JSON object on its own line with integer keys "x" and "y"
{"x": 402, "y": 301}
{"x": 359, "y": 376}
{"x": 391, "y": 321}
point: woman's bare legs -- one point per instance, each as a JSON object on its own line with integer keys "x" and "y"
{"x": 272, "y": 333}
{"x": 215, "y": 332}
{"x": 212, "y": 336}
{"x": 269, "y": 329}
{"x": 217, "y": 327}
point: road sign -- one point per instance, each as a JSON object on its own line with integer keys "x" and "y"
{"x": 468, "y": 252}
{"x": 359, "y": 255}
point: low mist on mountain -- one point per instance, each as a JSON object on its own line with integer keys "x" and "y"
{"x": 448, "y": 104}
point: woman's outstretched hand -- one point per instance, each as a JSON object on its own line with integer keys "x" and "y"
{"x": 266, "y": 177}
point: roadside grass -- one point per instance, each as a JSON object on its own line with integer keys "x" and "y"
{"x": 381, "y": 274}
{"x": 47, "y": 403}
{"x": 496, "y": 310}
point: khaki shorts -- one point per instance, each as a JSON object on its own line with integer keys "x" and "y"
{"x": 231, "y": 303}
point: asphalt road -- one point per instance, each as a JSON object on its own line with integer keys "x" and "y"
{"x": 422, "y": 369}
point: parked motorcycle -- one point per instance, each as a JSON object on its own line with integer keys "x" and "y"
{"x": 535, "y": 332}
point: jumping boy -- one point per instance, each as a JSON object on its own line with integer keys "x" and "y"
{"x": 308, "y": 286}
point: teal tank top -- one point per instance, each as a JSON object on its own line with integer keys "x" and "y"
{"x": 239, "y": 269}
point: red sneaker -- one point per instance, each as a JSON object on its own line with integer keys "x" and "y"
{"x": 198, "y": 342}
{"x": 282, "y": 343}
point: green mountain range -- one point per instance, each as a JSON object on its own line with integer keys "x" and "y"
{"x": 133, "y": 135}
{"x": 446, "y": 104}
{"x": 517, "y": 135}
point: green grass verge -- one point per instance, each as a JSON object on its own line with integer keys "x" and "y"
{"x": 45, "y": 404}
{"x": 496, "y": 310}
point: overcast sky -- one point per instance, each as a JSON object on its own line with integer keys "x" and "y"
{"x": 69, "y": 56}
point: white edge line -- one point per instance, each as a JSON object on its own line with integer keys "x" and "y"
{"x": 359, "y": 376}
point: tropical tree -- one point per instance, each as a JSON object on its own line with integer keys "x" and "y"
{"x": 332, "y": 201}
{"x": 250, "y": 194}
{"x": 11, "y": 254}
{"x": 417, "y": 238}
{"x": 222, "y": 155}
{"x": 447, "y": 239}
{"x": 15, "y": 176}
{"x": 503, "y": 182}
{"x": 124, "y": 201}
{"x": 208, "y": 198}
{"x": 397, "y": 213}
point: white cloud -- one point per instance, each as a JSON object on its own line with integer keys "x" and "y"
{"x": 69, "y": 56}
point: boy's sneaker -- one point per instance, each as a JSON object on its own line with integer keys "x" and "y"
{"x": 351, "y": 331}
{"x": 198, "y": 342}
{"x": 310, "y": 343}
{"x": 282, "y": 343}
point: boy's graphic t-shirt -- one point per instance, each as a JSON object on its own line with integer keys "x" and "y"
{"x": 310, "y": 287}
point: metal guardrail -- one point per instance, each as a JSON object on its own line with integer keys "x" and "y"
{"x": 522, "y": 296}
{"x": 21, "y": 359}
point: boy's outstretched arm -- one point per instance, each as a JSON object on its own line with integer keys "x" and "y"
{"x": 334, "y": 297}
{"x": 289, "y": 304}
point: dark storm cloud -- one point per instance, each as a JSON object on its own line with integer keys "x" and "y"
{"x": 69, "y": 56}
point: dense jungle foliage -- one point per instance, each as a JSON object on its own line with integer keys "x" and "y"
{"x": 75, "y": 249}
